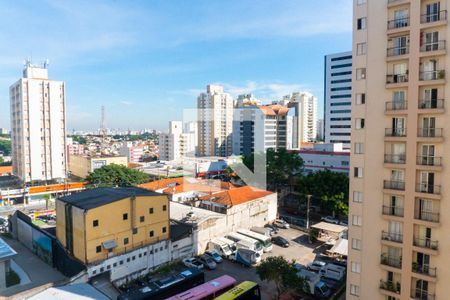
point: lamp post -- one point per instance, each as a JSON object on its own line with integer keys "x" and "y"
{"x": 308, "y": 204}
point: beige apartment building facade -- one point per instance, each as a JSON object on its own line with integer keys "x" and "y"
{"x": 399, "y": 212}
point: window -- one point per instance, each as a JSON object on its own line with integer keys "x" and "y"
{"x": 121, "y": 262}
{"x": 357, "y": 172}
{"x": 360, "y": 99}
{"x": 361, "y": 48}
{"x": 135, "y": 230}
{"x": 142, "y": 219}
{"x": 359, "y": 123}
{"x": 357, "y": 196}
{"x": 164, "y": 207}
{"x": 356, "y": 267}
{"x": 360, "y": 2}
{"x": 133, "y": 257}
{"x": 128, "y": 259}
{"x": 361, "y": 23}
{"x": 359, "y": 148}
{"x": 125, "y": 241}
{"x": 114, "y": 265}
{"x": 98, "y": 249}
{"x": 125, "y": 216}
{"x": 150, "y": 210}
{"x": 356, "y": 220}
{"x": 151, "y": 233}
{"x": 95, "y": 223}
{"x": 354, "y": 289}
{"x": 164, "y": 229}
{"x": 360, "y": 73}
{"x": 356, "y": 244}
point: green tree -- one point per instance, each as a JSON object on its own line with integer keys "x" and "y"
{"x": 79, "y": 139}
{"x": 117, "y": 175}
{"x": 282, "y": 273}
{"x": 5, "y": 147}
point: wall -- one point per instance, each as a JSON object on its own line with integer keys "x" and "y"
{"x": 80, "y": 166}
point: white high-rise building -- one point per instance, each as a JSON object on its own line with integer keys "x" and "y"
{"x": 215, "y": 122}
{"x": 175, "y": 144}
{"x": 304, "y": 117}
{"x": 338, "y": 98}
{"x": 38, "y": 126}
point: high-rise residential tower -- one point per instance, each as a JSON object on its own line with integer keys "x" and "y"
{"x": 399, "y": 246}
{"x": 304, "y": 117}
{"x": 38, "y": 126}
{"x": 176, "y": 144}
{"x": 215, "y": 122}
{"x": 338, "y": 98}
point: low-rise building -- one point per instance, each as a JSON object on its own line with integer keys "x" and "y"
{"x": 326, "y": 157}
{"x": 134, "y": 152}
{"x": 81, "y": 166}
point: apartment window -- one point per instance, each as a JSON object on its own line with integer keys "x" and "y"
{"x": 121, "y": 262}
{"x": 125, "y": 216}
{"x": 356, "y": 244}
{"x": 128, "y": 259}
{"x": 359, "y": 123}
{"x": 151, "y": 233}
{"x": 98, "y": 249}
{"x": 141, "y": 219}
{"x": 357, "y": 196}
{"x": 356, "y": 267}
{"x": 357, "y": 172}
{"x": 114, "y": 265}
{"x": 356, "y": 220}
{"x": 125, "y": 241}
{"x": 359, "y": 148}
{"x": 354, "y": 289}
{"x": 164, "y": 207}
{"x": 360, "y": 73}
{"x": 164, "y": 229}
{"x": 135, "y": 230}
{"x": 361, "y": 23}
{"x": 360, "y": 2}
{"x": 150, "y": 210}
{"x": 360, "y": 99}
{"x": 95, "y": 223}
{"x": 361, "y": 48}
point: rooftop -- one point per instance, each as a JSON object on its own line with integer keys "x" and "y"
{"x": 6, "y": 252}
{"x": 190, "y": 215}
{"x": 76, "y": 291}
{"x": 101, "y": 196}
{"x": 236, "y": 196}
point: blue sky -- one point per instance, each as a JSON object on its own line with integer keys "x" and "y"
{"x": 147, "y": 60}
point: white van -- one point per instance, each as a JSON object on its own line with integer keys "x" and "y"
{"x": 333, "y": 271}
{"x": 223, "y": 246}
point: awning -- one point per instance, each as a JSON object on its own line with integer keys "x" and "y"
{"x": 340, "y": 248}
{"x": 108, "y": 245}
{"x": 329, "y": 227}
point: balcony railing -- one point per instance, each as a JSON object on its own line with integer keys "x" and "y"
{"x": 426, "y": 216}
{"x": 392, "y": 261}
{"x": 396, "y": 78}
{"x": 431, "y": 104}
{"x": 397, "y": 51}
{"x": 420, "y": 294}
{"x": 393, "y": 211}
{"x": 428, "y": 188}
{"x": 395, "y": 158}
{"x": 400, "y": 132}
{"x": 429, "y": 132}
{"x": 425, "y": 243}
{"x": 394, "y": 185}
{"x": 434, "y": 46}
{"x": 393, "y": 237}
{"x": 390, "y": 286}
{"x": 396, "y": 105}
{"x": 432, "y": 75}
{"x": 423, "y": 269}
{"x": 429, "y": 160}
{"x": 435, "y": 17}
{"x": 398, "y": 23}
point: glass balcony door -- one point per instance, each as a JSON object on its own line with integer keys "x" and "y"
{"x": 433, "y": 10}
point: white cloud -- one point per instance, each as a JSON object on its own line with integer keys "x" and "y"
{"x": 124, "y": 102}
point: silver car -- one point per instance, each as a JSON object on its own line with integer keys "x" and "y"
{"x": 208, "y": 262}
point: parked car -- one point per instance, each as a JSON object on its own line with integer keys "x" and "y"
{"x": 192, "y": 262}
{"x": 281, "y": 224}
{"x": 207, "y": 262}
{"x": 215, "y": 256}
{"x": 272, "y": 227}
{"x": 343, "y": 222}
{"x": 316, "y": 265}
{"x": 330, "y": 219}
{"x": 280, "y": 241}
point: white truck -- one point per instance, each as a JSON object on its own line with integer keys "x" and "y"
{"x": 333, "y": 271}
{"x": 246, "y": 242}
{"x": 223, "y": 246}
{"x": 246, "y": 257}
{"x": 313, "y": 285}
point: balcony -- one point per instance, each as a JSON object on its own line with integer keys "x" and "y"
{"x": 398, "y": 23}
{"x": 432, "y": 75}
{"x": 396, "y": 105}
{"x": 429, "y": 161}
{"x": 431, "y": 104}
{"x": 435, "y": 46}
{"x": 391, "y": 261}
{"x": 397, "y": 51}
{"x": 392, "y": 237}
{"x": 429, "y": 132}
{"x": 423, "y": 269}
{"x": 395, "y": 132}
{"x": 428, "y": 188}
{"x": 436, "y": 17}
{"x": 426, "y": 216}
{"x": 425, "y": 243}
{"x": 390, "y": 286}
{"x": 395, "y": 158}
{"x": 419, "y": 294}
{"x": 396, "y": 78}
{"x": 394, "y": 185}
{"x": 393, "y": 211}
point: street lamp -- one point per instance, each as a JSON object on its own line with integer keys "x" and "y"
{"x": 308, "y": 204}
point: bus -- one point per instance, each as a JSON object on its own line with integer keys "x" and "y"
{"x": 247, "y": 290}
{"x": 165, "y": 287}
{"x": 243, "y": 241}
{"x": 208, "y": 290}
{"x": 263, "y": 239}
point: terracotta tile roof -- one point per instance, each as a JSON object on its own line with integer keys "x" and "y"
{"x": 6, "y": 170}
{"x": 161, "y": 184}
{"x": 236, "y": 196}
{"x": 189, "y": 187}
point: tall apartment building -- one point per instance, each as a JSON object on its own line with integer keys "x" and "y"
{"x": 338, "y": 98}
{"x": 175, "y": 144}
{"x": 304, "y": 114}
{"x": 38, "y": 126}
{"x": 215, "y": 122}
{"x": 134, "y": 152}
{"x": 399, "y": 211}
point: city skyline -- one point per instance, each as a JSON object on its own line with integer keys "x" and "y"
{"x": 144, "y": 56}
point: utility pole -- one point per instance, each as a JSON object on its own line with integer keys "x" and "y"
{"x": 308, "y": 204}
